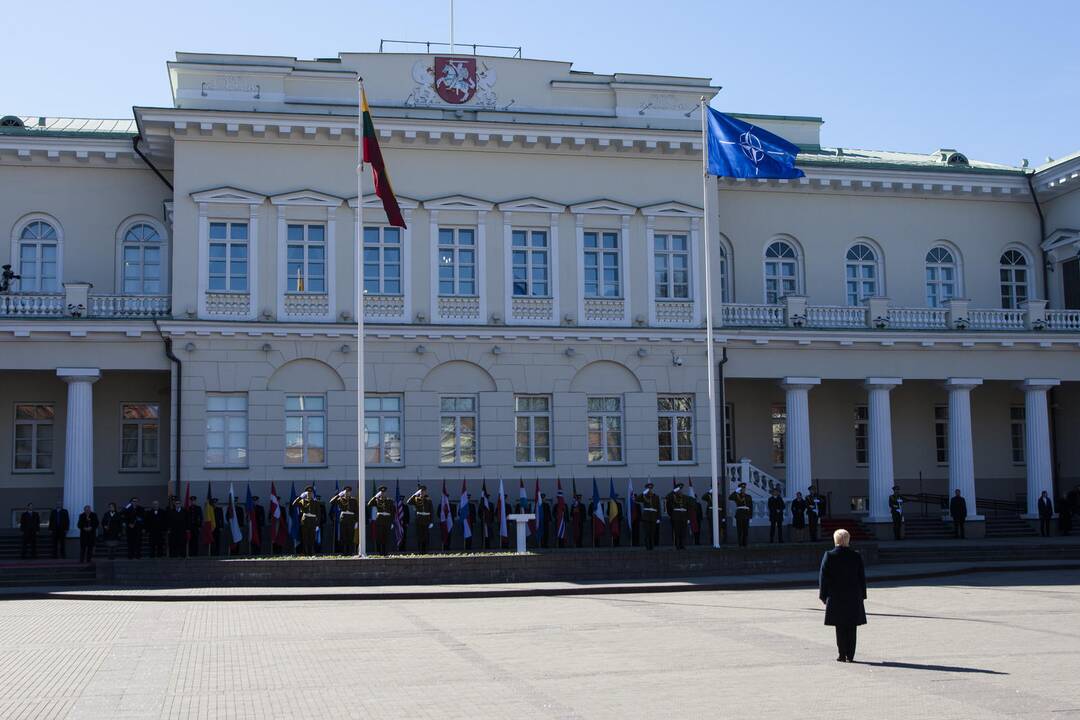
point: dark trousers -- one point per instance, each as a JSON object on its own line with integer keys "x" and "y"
{"x": 157, "y": 543}
{"x": 678, "y": 531}
{"x": 348, "y": 534}
{"x": 382, "y": 535}
{"x": 845, "y": 640}
{"x": 1044, "y": 526}
{"x": 176, "y": 543}
{"x": 86, "y": 548}
{"x": 742, "y": 527}
{"x": 29, "y": 545}
{"x": 134, "y": 543}
{"x": 423, "y": 534}
{"x": 307, "y": 536}
{"x": 813, "y": 523}
{"x": 776, "y": 527}
{"x": 58, "y": 546}
{"x": 651, "y": 529}
{"x": 193, "y": 543}
{"x": 958, "y": 527}
{"x": 635, "y": 533}
{"x": 898, "y": 526}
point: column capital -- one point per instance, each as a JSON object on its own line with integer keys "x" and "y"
{"x": 71, "y": 375}
{"x": 1038, "y": 384}
{"x": 960, "y": 383}
{"x": 800, "y": 383}
{"x": 882, "y": 383}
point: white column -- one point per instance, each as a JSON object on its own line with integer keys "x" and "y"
{"x": 1040, "y": 474}
{"x": 880, "y": 446}
{"x": 79, "y": 441}
{"x": 961, "y": 445}
{"x": 797, "y": 439}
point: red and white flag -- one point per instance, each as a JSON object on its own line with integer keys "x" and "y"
{"x": 279, "y": 529}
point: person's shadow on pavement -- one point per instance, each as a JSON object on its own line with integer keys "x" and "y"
{"x": 936, "y": 668}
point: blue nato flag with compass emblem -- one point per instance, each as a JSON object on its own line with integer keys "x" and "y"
{"x": 738, "y": 149}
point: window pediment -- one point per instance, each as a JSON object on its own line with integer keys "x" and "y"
{"x": 308, "y": 198}
{"x": 603, "y": 207}
{"x": 531, "y": 204}
{"x": 228, "y": 195}
{"x": 372, "y": 202}
{"x": 672, "y": 209}
{"x": 457, "y": 202}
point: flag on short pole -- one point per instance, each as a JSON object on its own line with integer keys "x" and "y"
{"x": 399, "y": 516}
{"x": 209, "y": 518}
{"x": 485, "y": 505}
{"x": 599, "y": 518}
{"x": 253, "y": 528}
{"x": 536, "y": 525}
{"x": 279, "y": 524}
{"x": 234, "y": 522}
{"x": 293, "y": 514}
{"x": 629, "y": 511}
{"x": 500, "y": 510}
{"x": 463, "y": 511}
{"x": 446, "y": 518}
{"x": 738, "y": 149}
{"x": 614, "y": 512}
{"x": 373, "y": 155}
{"x": 187, "y": 512}
{"x": 695, "y": 521}
{"x": 560, "y": 511}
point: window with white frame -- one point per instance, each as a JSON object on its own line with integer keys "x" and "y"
{"x": 940, "y": 276}
{"x": 228, "y": 271}
{"x": 1014, "y": 279}
{"x": 1016, "y": 433}
{"x": 140, "y": 436}
{"x": 382, "y": 430}
{"x": 729, "y": 432}
{"x": 226, "y": 430}
{"x": 860, "y": 274}
{"x": 39, "y": 252}
{"x": 34, "y": 434}
{"x": 603, "y": 276}
{"x": 530, "y": 263}
{"x": 675, "y": 428}
{"x": 142, "y": 251}
{"x": 305, "y": 430}
{"x": 778, "y": 433}
{"x": 605, "y": 430}
{"x": 781, "y": 272}
{"x": 941, "y": 434}
{"x": 532, "y": 429}
{"x": 457, "y": 261}
{"x": 862, "y": 428}
{"x": 306, "y": 258}
{"x": 671, "y": 266}
{"x": 722, "y": 273}
{"x": 382, "y": 260}
{"x": 457, "y": 430}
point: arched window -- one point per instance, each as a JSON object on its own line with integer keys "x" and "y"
{"x": 781, "y": 272}
{"x": 1014, "y": 279}
{"x": 860, "y": 274}
{"x": 141, "y": 260}
{"x": 725, "y": 284}
{"x": 941, "y": 276}
{"x": 39, "y": 253}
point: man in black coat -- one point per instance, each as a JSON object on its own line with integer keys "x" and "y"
{"x": 154, "y": 522}
{"x": 194, "y": 526}
{"x": 798, "y": 518}
{"x": 176, "y": 519}
{"x": 133, "y": 525}
{"x": 111, "y": 526}
{"x": 776, "y": 516}
{"x": 1046, "y": 514}
{"x": 958, "y": 511}
{"x": 59, "y": 524}
{"x": 88, "y": 525}
{"x": 29, "y": 524}
{"x": 815, "y": 510}
{"x": 842, "y": 589}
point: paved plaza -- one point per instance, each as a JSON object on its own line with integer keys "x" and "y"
{"x": 989, "y": 645}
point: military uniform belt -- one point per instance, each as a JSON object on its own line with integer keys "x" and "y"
{"x": 423, "y": 513}
{"x": 383, "y": 514}
{"x": 347, "y": 512}
{"x": 680, "y": 509}
{"x": 311, "y": 515}
{"x": 649, "y": 510}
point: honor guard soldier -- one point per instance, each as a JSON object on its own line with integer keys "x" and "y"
{"x": 678, "y": 507}
{"x": 798, "y": 517}
{"x": 309, "y": 519}
{"x": 422, "y": 505}
{"x": 896, "y": 509}
{"x": 815, "y": 510}
{"x": 350, "y": 513}
{"x": 776, "y": 515}
{"x": 384, "y": 516}
{"x": 194, "y": 526}
{"x": 650, "y": 516}
{"x": 744, "y": 510}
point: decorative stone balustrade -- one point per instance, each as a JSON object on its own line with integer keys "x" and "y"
{"x": 385, "y": 307}
{"x": 462, "y": 309}
{"x": 605, "y": 310}
{"x": 307, "y": 306}
{"x": 532, "y": 309}
{"x": 676, "y": 313}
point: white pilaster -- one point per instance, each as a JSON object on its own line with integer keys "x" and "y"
{"x": 961, "y": 445}
{"x": 880, "y": 447}
{"x": 797, "y": 439}
{"x": 79, "y": 441}
{"x": 1040, "y": 474}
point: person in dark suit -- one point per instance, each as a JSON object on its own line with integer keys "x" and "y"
{"x": 195, "y": 521}
{"x": 1064, "y": 510}
{"x": 798, "y": 518}
{"x": 59, "y": 524}
{"x": 111, "y": 526}
{"x": 154, "y": 523}
{"x": 88, "y": 525}
{"x": 958, "y": 511}
{"x": 29, "y": 524}
{"x": 776, "y": 516}
{"x": 1046, "y": 514}
{"x": 133, "y": 519}
{"x": 815, "y": 511}
{"x": 176, "y": 520}
{"x": 842, "y": 589}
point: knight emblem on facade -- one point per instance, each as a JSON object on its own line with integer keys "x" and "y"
{"x": 453, "y": 80}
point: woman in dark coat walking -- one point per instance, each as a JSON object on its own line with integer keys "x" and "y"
{"x": 842, "y": 588}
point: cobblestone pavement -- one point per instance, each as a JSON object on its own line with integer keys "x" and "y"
{"x": 979, "y": 646}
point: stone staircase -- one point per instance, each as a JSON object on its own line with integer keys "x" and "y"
{"x": 1008, "y": 526}
{"x": 32, "y": 573}
{"x": 759, "y": 485}
{"x": 858, "y": 531}
{"x": 928, "y": 527}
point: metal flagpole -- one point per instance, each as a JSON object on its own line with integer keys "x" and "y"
{"x": 358, "y": 278}
{"x": 451, "y": 28}
{"x": 707, "y": 211}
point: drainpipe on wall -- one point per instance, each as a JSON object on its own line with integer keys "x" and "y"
{"x": 178, "y": 404}
{"x": 135, "y": 147}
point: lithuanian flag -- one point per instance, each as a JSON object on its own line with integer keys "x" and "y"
{"x": 373, "y": 155}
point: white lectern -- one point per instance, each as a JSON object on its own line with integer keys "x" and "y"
{"x": 522, "y": 521}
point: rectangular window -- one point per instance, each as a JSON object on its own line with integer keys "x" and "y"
{"x": 228, "y": 270}
{"x": 602, "y": 276}
{"x": 226, "y": 430}
{"x": 532, "y": 430}
{"x": 457, "y": 431}
{"x": 33, "y": 437}
{"x": 530, "y": 263}
{"x": 778, "y": 422}
{"x": 457, "y": 261}
{"x": 860, "y": 503}
{"x": 1016, "y": 433}
{"x": 140, "y": 436}
{"x": 675, "y": 428}
{"x": 605, "y": 436}
{"x": 862, "y": 424}
{"x": 382, "y": 430}
{"x": 306, "y": 258}
{"x": 729, "y": 432}
{"x": 305, "y": 430}
{"x": 382, "y": 260}
{"x": 671, "y": 256}
{"x": 941, "y": 433}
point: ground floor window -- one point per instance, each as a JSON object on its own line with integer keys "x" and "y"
{"x": 226, "y": 429}
{"x": 729, "y": 432}
{"x": 382, "y": 430}
{"x": 457, "y": 436}
{"x": 675, "y": 428}
{"x": 140, "y": 433}
{"x": 1016, "y": 433}
{"x": 33, "y": 436}
{"x": 862, "y": 424}
{"x": 305, "y": 430}
{"x": 778, "y": 426}
{"x": 532, "y": 429}
{"x": 605, "y": 430}
{"x": 941, "y": 433}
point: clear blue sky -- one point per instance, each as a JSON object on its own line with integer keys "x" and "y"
{"x": 997, "y": 80}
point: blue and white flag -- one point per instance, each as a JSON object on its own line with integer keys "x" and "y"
{"x": 738, "y": 149}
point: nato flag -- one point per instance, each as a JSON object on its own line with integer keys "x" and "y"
{"x": 738, "y": 149}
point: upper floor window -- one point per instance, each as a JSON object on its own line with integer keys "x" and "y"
{"x": 140, "y": 434}
{"x": 1014, "y": 279}
{"x": 228, "y": 257}
{"x": 862, "y": 435}
{"x": 382, "y": 260}
{"x": 306, "y": 258}
{"x": 860, "y": 274}
{"x": 602, "y": 274}
{"x": 39, "y": 253}
{"x": 781, "y": 272}
{"x": 1017, "y": 433}
{"x": 940, "y": 276}
{"x": 142, "y": 256}
{"x": 530, "y": 263}
{"x": 457, "y": 261}
{"x": 671, "y": 255}
{"x": 778, "y": 432}
{"x": 941, "y": 434}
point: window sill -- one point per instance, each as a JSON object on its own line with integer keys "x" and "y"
{"x": 384, "y": 466}
{"x": 304, "y": 467}
{"x": 676, "y": 463}
{"x": 459, "y": 465}
{"x": 606, "y": 464}
{"x": 138, "y": 471}
{"x": 226, "y": 467}
{"x": 33, "y": 472}
{"x": 534, "y": 464}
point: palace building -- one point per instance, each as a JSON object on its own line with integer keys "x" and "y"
{"x": 183, "y": 310}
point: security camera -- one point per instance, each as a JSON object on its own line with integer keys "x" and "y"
{"x": 676, "y": 360}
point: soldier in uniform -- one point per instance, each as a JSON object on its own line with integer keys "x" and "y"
{"x": 678, "y": 507}
{"x": 650, "y": 516}
{"x": 155, "y": 529}
{"x": 798, "y": 517}
{"x": 309, "y": 519}
{"x": 320, "y": 530}
{"x": 29, "y": 524}
{"x": 815, "y": 509}
{"x": 776, "y": 515}
{"x": 87, "y": 523}
{"x": 896, "y": 509}
{"x": 194, "y": 526}
{"x": 177, "y": 521}
{"x": 744, "y": 510}
{"x": 384, "y": 517}
{"x": 350, "y": 513}
{"x": 110, "y": 529}
{"x": 425, "y": 511}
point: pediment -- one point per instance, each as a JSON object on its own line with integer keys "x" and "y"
{"x": 457, "y": 202}
{"x": 603, "y": 207}
{"x": 373, "y": 202}
{"x": 672, "y": 209}
{"x": 228, "y": 195}
{"x": 307, "y": 197}
{"x": 531, "y": 204}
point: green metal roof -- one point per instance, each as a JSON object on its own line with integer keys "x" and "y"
{"x": 892, "y": 160}
{"x": 72, "y": 127}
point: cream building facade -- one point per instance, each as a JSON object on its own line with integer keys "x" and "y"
{"x": 185, "y": 308}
